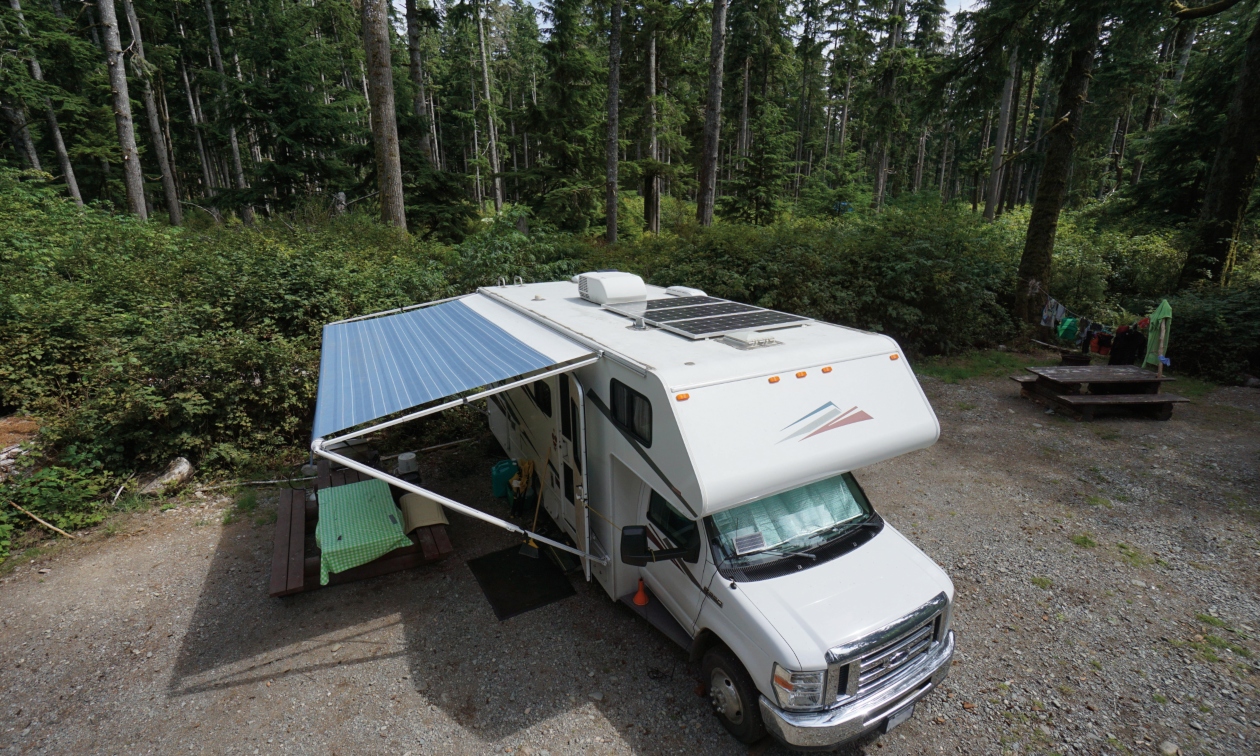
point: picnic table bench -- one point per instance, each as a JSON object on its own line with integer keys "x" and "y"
{"x": 296, "y": 557}
{"x": 1112, "y": 389}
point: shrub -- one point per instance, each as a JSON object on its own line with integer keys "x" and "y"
{"x": 934, "y": 278}
{"x": 1216, "y": 332}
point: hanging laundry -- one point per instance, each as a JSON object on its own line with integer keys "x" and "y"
{"x": 1060, "y": 312}
{"x": 1125, "y": 346}
{"x": 1067, "y": 329}
{"x": 1047, "y": 312}
{"x": 1082, "y": 334}
{"x": 1161, "y": 320}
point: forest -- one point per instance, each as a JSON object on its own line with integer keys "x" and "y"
{"x": 190, "y": 188}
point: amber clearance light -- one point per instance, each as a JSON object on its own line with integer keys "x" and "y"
{"x": 827, "y": 369}
{"x": 683, "y": 397}
{"x": 774, "y": 379}
{"x": 893, "y": 356}
{"x": 801, "y": 374}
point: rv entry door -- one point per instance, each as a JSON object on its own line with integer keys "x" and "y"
{"x": 569, "y": 454}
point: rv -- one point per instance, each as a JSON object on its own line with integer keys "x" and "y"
{"x": 699, "y": 454}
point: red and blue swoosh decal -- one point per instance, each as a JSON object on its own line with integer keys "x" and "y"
{"x": 825, "y": 418}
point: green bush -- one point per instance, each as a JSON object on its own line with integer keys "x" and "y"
{"x": 1216, "y": 333}
{"x": 934, "y": 278}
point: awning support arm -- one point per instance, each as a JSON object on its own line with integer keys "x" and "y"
{"x": 317, "y": 446}
{"x": 461, "y": 401}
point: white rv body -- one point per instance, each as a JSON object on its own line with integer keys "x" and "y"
{"x": 730, "y": 426}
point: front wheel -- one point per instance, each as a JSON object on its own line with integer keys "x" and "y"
{"x": 733, "y": 695}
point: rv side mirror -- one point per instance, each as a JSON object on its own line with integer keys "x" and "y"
{"x": 635, "y": 551}
{"x": 634, "y": 545}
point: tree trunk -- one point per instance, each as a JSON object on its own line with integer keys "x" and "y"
{"x": 994, "y": 196}
{"x": 195, "y": 116}
{"x": 742, "y": 141}
{"x": 59, "y": 145}
{"x": 706, "y": 195}
{"x": 613, "y": 148}
{"x": 887, "y": 85}
{"x": 1182, "y": 62}
{"x": 492, "y": 133}
{"x": 133, "y": 179}
{"x": 844, "y": 114}
{"x": 384, "y": 123}
{"x": 1232, "y": 178}
{"x": 1014, "y": 186}
{"x": 160, "y": 149}
{"x": 419, "y": 104}
{"x": 20, "y": 133}
{"x": 652, "y": 188}
{"x": 247, "y": 211}
{"x": 1035, "y": 263}
{"x": 918, "y": 165}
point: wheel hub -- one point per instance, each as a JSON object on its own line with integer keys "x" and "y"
{"x": 725, "y": 697}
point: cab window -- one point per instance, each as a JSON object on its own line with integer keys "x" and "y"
{"x": 679, "y": 529}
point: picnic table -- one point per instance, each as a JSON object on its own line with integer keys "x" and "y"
{"x": 1112, "y": 388}
{"x": 357, "y": 524}
{"x": 297, "y": 562}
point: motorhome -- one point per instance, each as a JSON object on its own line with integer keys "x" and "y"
{"x": 700, "y": 454}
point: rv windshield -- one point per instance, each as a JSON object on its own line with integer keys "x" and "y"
{"x": 792, "y": 520}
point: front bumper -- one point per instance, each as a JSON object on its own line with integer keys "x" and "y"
{"x": 824, "y": 730}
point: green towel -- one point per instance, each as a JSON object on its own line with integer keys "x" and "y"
{"x": 1163, "y": 312}
{"x": 358, "y": 524}
{"x": 1067, "y": 329}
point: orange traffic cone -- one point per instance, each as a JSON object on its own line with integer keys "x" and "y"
{"x": 641, "y": 597}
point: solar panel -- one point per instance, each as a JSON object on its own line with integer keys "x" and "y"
{"x": 704, "y": 327}
{"x": 703, "y": 317}
{"x": 699, "y": 311}
{"x": 661, "y": 304}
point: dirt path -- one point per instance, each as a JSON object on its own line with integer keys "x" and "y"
{"x": 1107, "y": 601}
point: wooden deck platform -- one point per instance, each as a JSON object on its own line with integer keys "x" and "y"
{"x": 295, "y": 556}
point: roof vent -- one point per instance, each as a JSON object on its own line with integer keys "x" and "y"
{"x": 749, "y": 340}
{"x": 611, "y": 287}
{"x": 685, "y": 291}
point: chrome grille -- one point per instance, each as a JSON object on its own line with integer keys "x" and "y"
{"x": 873, "y": 667}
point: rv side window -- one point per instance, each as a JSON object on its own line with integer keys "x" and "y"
{"x": 632, "y": 411}
{"x": 679, "y": 529}
{"x": 542, "y": 397}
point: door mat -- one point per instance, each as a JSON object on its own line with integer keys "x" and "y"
{"x": 516, "y": 584}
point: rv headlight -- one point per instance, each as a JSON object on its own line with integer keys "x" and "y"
{"x": 799, "y": 691}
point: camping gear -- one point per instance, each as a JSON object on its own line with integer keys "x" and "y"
{"x": 419, "y": 512}
{"x": 357, "y": 524}
{"x": 529, "y": 548}
{"x": 500, "y": 474}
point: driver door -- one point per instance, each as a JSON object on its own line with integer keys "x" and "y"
{"x": 676, "y": 582}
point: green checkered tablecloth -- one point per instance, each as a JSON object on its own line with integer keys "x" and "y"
{"x": 357, "y": 524}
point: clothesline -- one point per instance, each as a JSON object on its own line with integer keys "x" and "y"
{"x": 1093, "y": 336}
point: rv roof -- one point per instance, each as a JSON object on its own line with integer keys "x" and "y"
{"x": 684, "y": 363}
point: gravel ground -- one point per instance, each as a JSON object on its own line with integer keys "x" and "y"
{"x": 1107, "y": 603}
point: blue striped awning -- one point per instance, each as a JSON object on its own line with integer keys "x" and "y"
{"x": 376, "y": 367}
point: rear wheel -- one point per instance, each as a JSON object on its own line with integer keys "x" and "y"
{"x": 733, "y": 695}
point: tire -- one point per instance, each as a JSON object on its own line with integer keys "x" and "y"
{"x": 733, "y": 695}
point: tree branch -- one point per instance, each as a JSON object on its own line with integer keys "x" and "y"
{"x": 1211, "y": 9}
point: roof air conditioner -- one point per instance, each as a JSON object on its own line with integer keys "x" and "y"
{"x": 611, "y": 287}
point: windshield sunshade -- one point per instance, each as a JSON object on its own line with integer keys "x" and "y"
{"x": 789, "y": 515}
